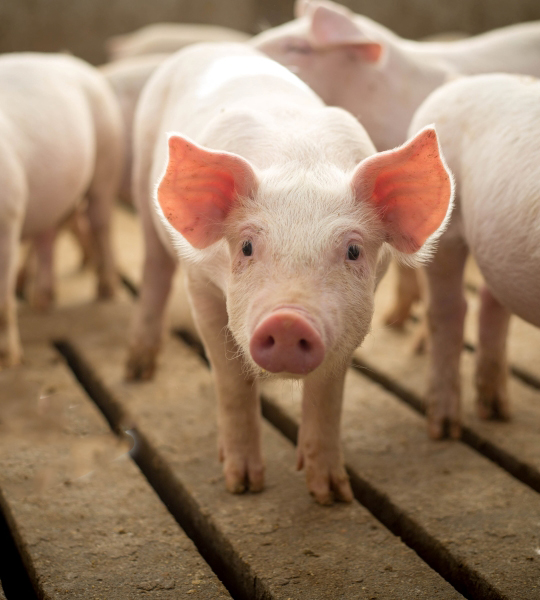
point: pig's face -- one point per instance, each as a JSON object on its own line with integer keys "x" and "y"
{"x": 304, "y": 240}
{"x": 347, "y": 66}
{"x": 303, "y": 262}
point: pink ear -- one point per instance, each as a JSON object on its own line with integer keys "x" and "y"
{"x": 410, "y": 187}
{"x": 334, "y": 27}
{"x": 199, "y": 188}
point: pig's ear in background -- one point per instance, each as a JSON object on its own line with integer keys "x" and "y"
{"x": 334, "y": 27}
{"x": 199, "y": 188}
{"x": 410, "y": 187}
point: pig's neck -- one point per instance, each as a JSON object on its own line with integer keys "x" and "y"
{"x": 411, "y": 77}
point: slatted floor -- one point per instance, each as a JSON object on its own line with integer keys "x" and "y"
{"x": 111, "y": 490}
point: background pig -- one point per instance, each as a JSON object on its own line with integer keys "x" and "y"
{"x": 127, "y": 77}
{"x": 283, "y": 216}
{"x": 356, "y": 63}
{"x": 169, "y": 37}
{"x": 489, "y": 128}
{"x": 60, "y": 140}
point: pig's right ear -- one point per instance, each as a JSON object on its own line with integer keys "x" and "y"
{"x": 333, "y": 26}
{"x": 410, "y": 188}
{"x": 199, "y": 188}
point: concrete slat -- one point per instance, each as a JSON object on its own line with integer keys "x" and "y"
{"x": 87, "y": 526}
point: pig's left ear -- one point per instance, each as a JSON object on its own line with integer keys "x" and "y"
{"x": 333, "y": 26}
{"x": 199, "y": 188}
{"x": 410, "y": 187}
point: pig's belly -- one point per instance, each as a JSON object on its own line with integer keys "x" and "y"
{"x": 509, "y": 259}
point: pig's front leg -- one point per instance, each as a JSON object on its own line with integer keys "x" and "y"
{"x": 10, "y": 345}
{"x": 446, "y": 316}
{"x": 319, "y": 447}
{"x": 239, "y": 412}
{"x": 42, "y": 287}
{"x": 491, "y": 363}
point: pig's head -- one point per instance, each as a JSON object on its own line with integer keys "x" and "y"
{"x": 302, "y": 245}
{"x": 355, "y": 63}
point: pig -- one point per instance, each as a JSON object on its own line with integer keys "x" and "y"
{"x": 489, "y": 128}
{"x": 167, "y": 38}
{"x": 127, "y": 77}
{"x": 356, "y": 63}
{"x": 61, "y": 140}
{"x": 284, "y": 217}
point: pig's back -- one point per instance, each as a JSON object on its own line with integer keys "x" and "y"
{"x": 489, "y": 129}
{"x": 46, "y": 116}
{"x": 207, "y": 80}
{"x": 513, "y": 49}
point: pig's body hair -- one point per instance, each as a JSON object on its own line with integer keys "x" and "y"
{"x": 489, "y": 128}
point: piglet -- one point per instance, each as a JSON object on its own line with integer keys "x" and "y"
{"x": 60, "y": 140}
{"x": 284, "y": 217}
{"x": 489, "y": 127}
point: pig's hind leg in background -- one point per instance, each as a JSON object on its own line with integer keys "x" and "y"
{"x": 13, "y": 199}
{"x": 103, "y": 188}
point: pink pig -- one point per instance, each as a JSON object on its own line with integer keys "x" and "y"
{"x": 60, "y": 140}
{"x": 353, "y": 62}
{"x": 489, "y": 127}
{"x": 284, "y": 217}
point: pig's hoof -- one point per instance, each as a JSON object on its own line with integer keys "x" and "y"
{"x": 42, "y": 300}
{"x": 20, "y": 285}
{"x": 327, "y": 487}
{"x": 141, "y": 365}
{"x": 444, "y": 427}
{"x": 420, "y": 340}
{"x": 106, "y": 289}
{"x": 10, "y": 359}
{"x": 244, "y": 475}
{"x": 493, "y": 405}
{"x": 444, "y": 414}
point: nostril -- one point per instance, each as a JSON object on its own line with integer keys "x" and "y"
{"x": 304, "y": 345}
{"x": 268, "y": 342}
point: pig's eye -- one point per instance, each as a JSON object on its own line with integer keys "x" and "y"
{"x": 247, "y": 248}
{"x": 353, "y": 252}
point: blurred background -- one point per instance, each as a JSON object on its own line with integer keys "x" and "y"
{"x": 82, "y": 26}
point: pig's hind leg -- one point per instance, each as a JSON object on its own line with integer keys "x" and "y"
{"x": 408, "y": 292}
{"x": 10, "y": 345}
{"x": 42, "y": 293}
{"x": 239, "y": 411}
{"x": 446, "y": 317}
{"x": 491, "y": 362}
{"x": 319, "y": 448}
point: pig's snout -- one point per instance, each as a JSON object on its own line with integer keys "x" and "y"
{"x": 285, "y": 341}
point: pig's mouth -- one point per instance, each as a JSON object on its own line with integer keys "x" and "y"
{"x": 287, "y": 341}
